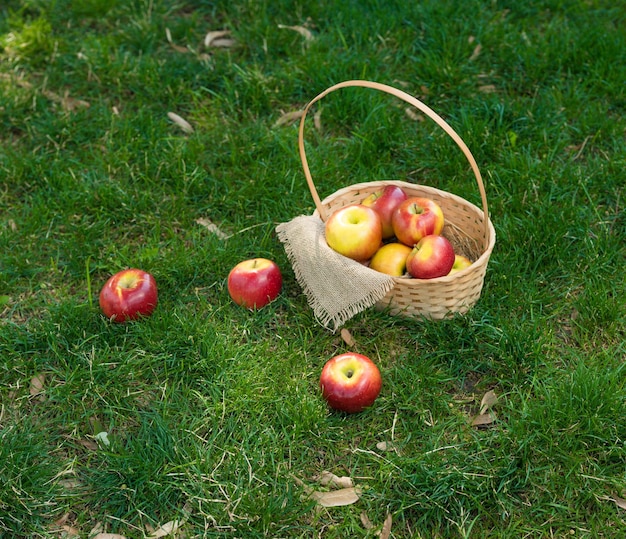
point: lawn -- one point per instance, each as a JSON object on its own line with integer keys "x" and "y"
{"x": 159, "y": 134}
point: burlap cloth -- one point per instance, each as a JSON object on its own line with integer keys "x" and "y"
{"x": 337, "y": 288}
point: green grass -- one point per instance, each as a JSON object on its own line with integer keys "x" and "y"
{"x": 213, "y": 413}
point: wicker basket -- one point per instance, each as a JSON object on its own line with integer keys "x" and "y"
{"x": 469, "y": 228}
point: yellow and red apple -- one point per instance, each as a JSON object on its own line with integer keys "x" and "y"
{"x": 415, "y": 218}
{"x": 391, "y": 259}
{"x": 432, "y": 257}
{"x": 128, "y": 295}
{"x": 460, "y": 263}
{"x": 254, "y": 283}
{"x": 355, "y": 231}
{"x": 385, "y": 201}
{"x": 350, "y": 382}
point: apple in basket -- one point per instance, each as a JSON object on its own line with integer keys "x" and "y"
{"x": 128, "y": 295}
{"x": 385, "y": 201}
{"x": 354, "y": 231}
{"x": 254, "y": 283}
{"x": 350, "y": 382}
{"x": 415, "y": 218}
{"x": 391, "y": 259}
{"x": 460, "y": 263}
{"x": 432, "y": 257}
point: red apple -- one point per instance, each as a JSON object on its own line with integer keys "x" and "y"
{"x": 391, "y": 259}
{"x": 128, "y": 294}
{"x": 385, "y": 201}
{"x": 415, "y": 218}
{"x": 354, "y": 231}
{"x": 350, "y": 382}
{"x": 432, "y": 257}
{"x": 460, "y": 262}
{"x": 254, "y": 283}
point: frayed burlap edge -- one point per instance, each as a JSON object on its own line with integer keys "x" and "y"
{"x": 337, "y": 288}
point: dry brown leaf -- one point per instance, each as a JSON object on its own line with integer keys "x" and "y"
{"x": 304, "y": 32}
{"x": 289, "y": 118}
{"x": 211, "y": 227}
{"x": 487, "y": 89}
{"x": 37, "y": 384}
{"x": 365, "y": 520}
{"x": 386, "y": 531}
{"x": 347, "y": 337}
{"x": 337, "y": 498}
{"x": 329, "y": 478}
{"x": 317, "y": 119}
{"x": 386, "y": 446}
{"x": 180, "y": 122}
{"x": 177, "y": 48}
{"x": 484, "y": 419}
{"x": 620, "y": 502}
{"x": 476, "y": 52}
{"x": 488, "y": 401}
{"x": 219, "y": 38}
{"x": 167, "y": 529}
{"x": 108, "y": 536}
{"x": 410, "y": 112}
{"x": 70, "y": 531}
{"x": 68, "y": 103}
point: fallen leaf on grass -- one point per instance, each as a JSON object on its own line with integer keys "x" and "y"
{"x": 219, "y": 39}
{"x": 211, "y": 227}
{"x": 289, "y": 118}
{"x": 304, "y": 32}
{"x": 347, "y": 337}
{"x": 488, "y": 401}
{"x": 476, "y": 52}
{"x": 410, "y": 112}
{"x": 337, "y": 498}
{"x": 329, "y": 478}
{"x": 386, "y": 531}
{"x": 386, "y": 446}
{"x": 487, "y": 89}
{"x": 180, "y": 122}
{"x": 177, "y": 48}
{"x": 167, "y": 529}
{"x": 37, "y": 384}
{"x": 109, "y": 536}
{"x": 620, "y": 502}
{"x": 68, "y": 103}
{"x": 365, "y": 520}
{"x": 485, "y": 417}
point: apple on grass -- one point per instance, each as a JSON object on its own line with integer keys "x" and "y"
{"x": 355, "y": 231}
{"x": 432, "y": 257}
{"x": 391, "y": 259}
{"x": 254, "y": 283}
{"x": 350, "y": 382}
{"x": 460, "y": 263}
{"x": 415, "y": 218}
{"x": 128, "y": 294}
{"x": 385, "y": 201}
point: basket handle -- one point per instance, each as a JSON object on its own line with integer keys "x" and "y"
{"x": 412, "y": 101}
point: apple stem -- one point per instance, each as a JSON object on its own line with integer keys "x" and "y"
{"x": 350, "y": 373}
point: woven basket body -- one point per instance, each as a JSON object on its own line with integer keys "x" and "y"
{"x": 468, "y": 228}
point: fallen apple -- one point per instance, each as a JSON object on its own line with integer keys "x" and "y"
{"x": 385, "y": 201}
{"x": 254, "y": 283}
{"x": 460, "y": 263}
{"x": 128, "y": 294}
{"x": 350, "y": 382}
{"x": 415, "y": 218}
{"x": 391, "y": 259}
{"x": 432, "y": 257}
{"x": 355, "y": 231}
